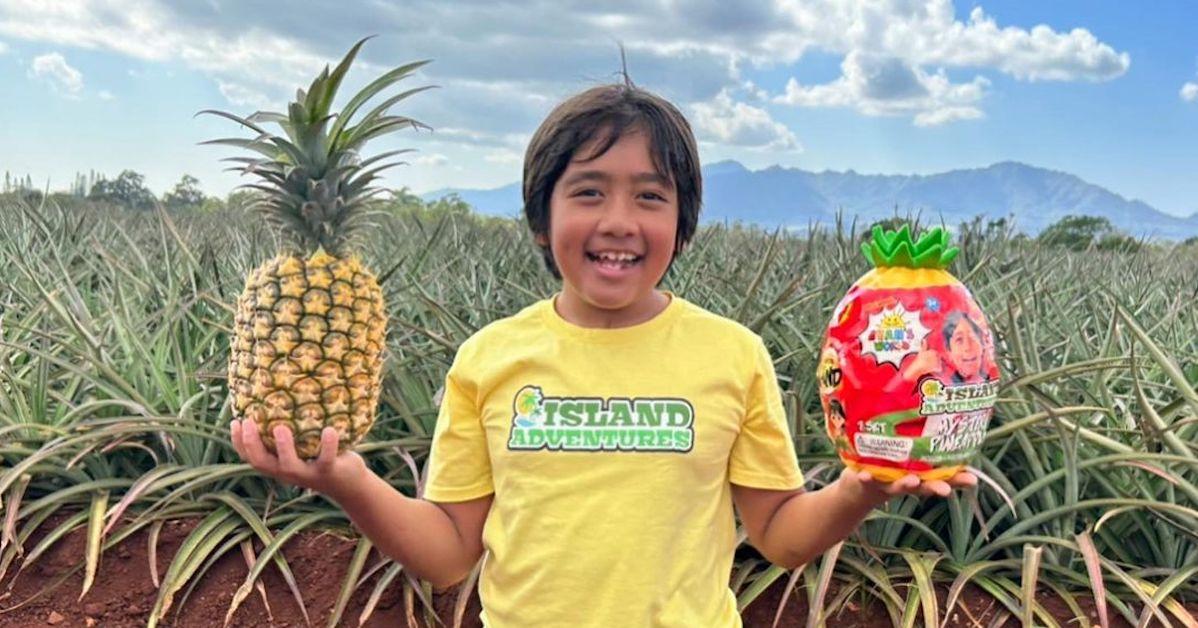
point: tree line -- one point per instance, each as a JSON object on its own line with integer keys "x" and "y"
{"x": 128, "y": 189}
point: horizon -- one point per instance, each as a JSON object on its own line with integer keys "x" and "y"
{"x": 1108, "y": 94}
{"x": 440, "y": 192}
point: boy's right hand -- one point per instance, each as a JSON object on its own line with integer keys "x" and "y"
{"x": 925, "y": 362}
{"x": 329, "y": 473}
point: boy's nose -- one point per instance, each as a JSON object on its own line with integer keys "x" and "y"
{"x": 618, "y": 218}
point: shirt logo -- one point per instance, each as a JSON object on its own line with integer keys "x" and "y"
{"x": 596, "y": 424}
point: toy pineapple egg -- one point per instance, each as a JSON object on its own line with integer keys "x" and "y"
{"x": 906, "y": 375}
{"x": 310, "y": 326}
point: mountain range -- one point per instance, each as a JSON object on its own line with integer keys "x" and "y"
{"x": 778, "y": 196}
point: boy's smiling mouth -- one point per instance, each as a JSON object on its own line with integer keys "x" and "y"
{"x": 613, "y": 260}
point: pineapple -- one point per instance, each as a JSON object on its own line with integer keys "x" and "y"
{"x": 907, "y": 376}
{"x": 310, "y": 327}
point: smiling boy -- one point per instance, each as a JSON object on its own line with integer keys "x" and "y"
{"x": 593, "y": 445}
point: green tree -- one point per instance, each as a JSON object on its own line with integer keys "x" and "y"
{"x": 403, "y": 201}
{"x": 186, "y": 193}
{"x": 893, "y": 223}
{"x": 449, "y": 204}
{"x": 240, "y": 199}
{"x": 128, "y": 190}
{"x": 1000, "y": 228}
{"x": 403, "y": 197}
{"x": 212, "y": 204}
{"x": 1119, "y": 242}
{"x": 1078, "y": 233}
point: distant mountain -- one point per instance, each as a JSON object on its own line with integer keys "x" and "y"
{"x": 1036, "y": 197}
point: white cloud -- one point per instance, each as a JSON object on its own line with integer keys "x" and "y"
{"x": 944, "y": 115}
{"x": 889, "y": 86}
{"x": 689, "y": 52}
{"x": 1038, "y": 54}
{"x": 504, "y": 157}
{"x": 128, "y": 27}
{"x": 896, "y": 57}
{"x": 240, "y": 95}
{"x": 473, "y": 137}
{"x": 3, "y": 47}
{"x": 430, "y": 159}
{"x": 740, "y": 124}
{"x": 756, "y": 92}
{"x": 1189, "y": 92}
{"x": 147, "y": 30}
{"x": 929, "y": 33}
{"x": 53, "y": 69}
{"x": 105, "y": 95}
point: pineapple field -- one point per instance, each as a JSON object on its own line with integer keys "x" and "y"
{"x": 130, "y": 340}
{"x": 115, "y": 331}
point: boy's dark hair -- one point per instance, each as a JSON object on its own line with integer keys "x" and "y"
{"x": 950, "y": 325}
{"x": 606, "y": 113}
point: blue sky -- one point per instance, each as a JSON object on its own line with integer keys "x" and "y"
{"x": 1107, "y": 91}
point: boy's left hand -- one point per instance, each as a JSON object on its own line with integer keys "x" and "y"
{"x": 871, "y": 489}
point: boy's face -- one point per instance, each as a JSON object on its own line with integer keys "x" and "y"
{"x": 965, "y": 349}
{"x": 612, "y": 225}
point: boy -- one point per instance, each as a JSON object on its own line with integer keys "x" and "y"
{"x": 595, "y": 442}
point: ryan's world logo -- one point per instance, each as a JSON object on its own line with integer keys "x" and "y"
{"x": 893, "y": 334}
{"x": 596, "y": 424}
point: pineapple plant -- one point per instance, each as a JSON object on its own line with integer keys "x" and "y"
{"x": 310, "y": 326}
{"x": 907, "y": 377}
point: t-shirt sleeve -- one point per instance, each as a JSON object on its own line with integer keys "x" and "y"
{"x": 459, "y": 467}
{"x": 763, "y": 455}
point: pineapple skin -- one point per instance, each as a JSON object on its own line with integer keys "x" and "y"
{"x": 307, "y": 349}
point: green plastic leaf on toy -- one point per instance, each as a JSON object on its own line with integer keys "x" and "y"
{"x": 929, "y": 258}
{"x": 902, "y": 255}
{"x": 869, "y": 254}
{"x": 897, "y": 249}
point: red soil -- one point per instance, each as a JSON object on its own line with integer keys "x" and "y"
{"x": 123, "y": 593}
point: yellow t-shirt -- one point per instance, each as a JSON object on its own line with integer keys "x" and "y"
{"x": 610, "y": 453}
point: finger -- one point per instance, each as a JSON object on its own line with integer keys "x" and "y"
{"x": 289, "y": 461}
{"x": 285, "y": 448}
{"x": 905, "y": 484}
{"x": 328, "y": 448}
{"x": 963, "y": 479}
{"x": 235, "y": 437}
{"x": 939, "y": 488}
{"x": 255, "y": 451}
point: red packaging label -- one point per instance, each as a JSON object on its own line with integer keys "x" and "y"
{"x": 907, "y": 377}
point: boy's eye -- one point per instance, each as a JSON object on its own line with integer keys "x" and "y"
{"x": 587, "y": 192}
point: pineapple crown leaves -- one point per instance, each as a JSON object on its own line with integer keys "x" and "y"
{"x": 889, "y": 248}
{"x": 313, "y": 185}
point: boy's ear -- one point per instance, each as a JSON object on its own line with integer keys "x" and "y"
{"x": 541, "y": 239}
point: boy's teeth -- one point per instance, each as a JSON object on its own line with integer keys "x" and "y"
{"x": 614, "y": 260}
{"x": 616, "y": 257}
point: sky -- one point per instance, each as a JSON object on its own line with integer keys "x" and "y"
{"x": 1107, "y": 91}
